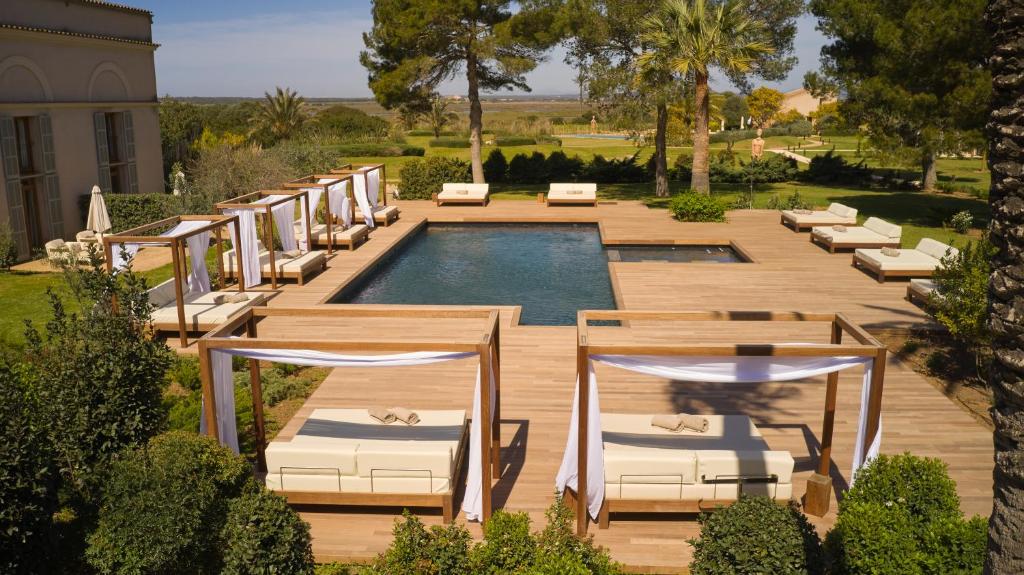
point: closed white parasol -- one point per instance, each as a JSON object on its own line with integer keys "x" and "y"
{"x": 98, "y": 219}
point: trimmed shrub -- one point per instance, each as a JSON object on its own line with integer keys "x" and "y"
{"x": 952, "y": 545}
{"x": 28, "y": 489}
{"x": 962, "y": 222}
{"x": 515, "y": 141}
{"x": 422, "y": 178}
{"x": 377, "y": 150}
{"x": 164, "y": 507}
{"x": 619, "y": 170}
{"x": 415, "y": 550}
{"x": 132, "y": 210}
{"x": 508, "y": 545}
{"x": 530, "y": 169}
{"x": 693, "y": 207}
{"x": 829, "y": 168}
{"x": 562, "y": 168}
{"x": 549, "y": 140}
{"x": 558, "y": 542}
{"x": 755, "y": 535}
{"x": 919, "y": 485}
{"x": 870, "y": 537}
{"x": 421, "y": 133}
{"x": 450, "y": 142}
{"x": 264, "y": 536}
{"x": 496, "y": 167}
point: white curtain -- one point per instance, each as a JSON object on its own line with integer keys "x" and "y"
{"x": 224, "y": 392}
{"x": 337, "y": 199}
{"x": 124, "y": 252}
{"x": 359, "y": 191}
{"x": 198, "y": 277}
{"x": 472, "y": 503}
{"x": 705, "y": 369}
{"x": 249, "y": 244}
{"x": 283, "y": 214}
{"x": 312, "y": 202}
{"x": 373, "y": 187}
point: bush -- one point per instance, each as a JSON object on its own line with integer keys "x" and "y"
{"x": 496, "y": 167}
{"x": 422, "y": 178}
{"x": 224, "y": 172}
{"x": 561, "y": 168}
{"x": 791, "y": 202}
{"x": 549, "y": 140}
{"x": 8, "y": 247}
{"x": 952, "y": 545}
{"x": 349, "y": 123}
{"x": 278, "y": 387}
{"x": 28, "y": 490}
{"x": 626, "y": 170}
{"x": 185, "y": 372}
{"x": 694, "y": 207}
{"x": 870, "y": 537}
{"x": 377, "y": 150}
{"x": 415, "y": 550}
{"x": 515, "y": 141}
{"x": 132, "y": 210}
{"x": 962, "y": 221}
{"x": 919, "y": 485}
{"x": 165, "y": 505}
{"x": 421, "y": 133}
{"x": 829, "y": 168}
{"x": 508, "y": 545}
{"x": 755, "y": 535}
{"x": 302, "y": 158}
{"x": 682, "y": 168}
{"x": 264, "y": 536}
{"x": 530, "y": 169}
{"x": 960, "y": 301}
{"x": 450, "y": 142}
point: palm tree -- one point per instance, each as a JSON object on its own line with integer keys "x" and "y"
{"x": 1006, "y": 377}
{"x": 693, "y": 36}
{"x": 281, "y": 114}
{"x": 439, "y": 115}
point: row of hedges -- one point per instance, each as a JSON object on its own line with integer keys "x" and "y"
{"x": 449, "y": 142}
{"x": 800, "y": 128}
{"x": 901, "y": 516}
{"x": 463, "y": 141}
{"x": 132, "y": 210}
{"x": 536, "y": 168}
{"x": 423, "y": 178}
{"x": 390, "y": 150}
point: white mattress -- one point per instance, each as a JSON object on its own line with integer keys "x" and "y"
{"x": 201, "y": 309}
{"x": 909, "y": 260}
{"x": 319, "y": 232}
{"x": 380, "y": 213}
{"x": 578, "y": 196}
{"x": 305, "y": 261}
{"x": 818, "y": 217}
{"x": 852, "y": 235}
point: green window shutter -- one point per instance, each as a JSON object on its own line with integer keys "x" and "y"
{"x": 129, "y": 151}
{"x": 15, "y": 207}
{"x": 51, "y": 183}
{"x": 102, "y": 153}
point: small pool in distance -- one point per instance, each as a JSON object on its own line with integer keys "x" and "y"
{"x": 550, "y": 270}
{"x": 674, "y": 253}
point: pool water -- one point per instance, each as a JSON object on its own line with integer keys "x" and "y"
{"x": 550, "y": 270}
{"x": 680, "y": 254}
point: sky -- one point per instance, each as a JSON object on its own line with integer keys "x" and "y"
{"x": 247, "y": 47}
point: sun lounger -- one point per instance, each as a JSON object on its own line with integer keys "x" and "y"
{"x": 920, "y": 262}
{"x": 202, "y": 312}
{"x": 920, "y": 290}
{"x": 287, "y": 268}
{"x": 350, "y": 238}
{"x": 836, "y": 214}
{"x": 688, "y": 471}
{"x": 383, "y": 215}
{"x": 345, "y": 457}
{"x": 459, "y": 193}
{"x": 583, "y": 194}
{"x": 61, "y": 252}
{"x": 875, "y": 233}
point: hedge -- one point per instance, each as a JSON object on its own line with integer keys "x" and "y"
{"x": 423, "y": 178}
{"x": 389, "y": 150}
{"x": 694, "y": 207}
{"x": 262, "y": 534}
{"x": 794, "y": 129}
{"x": 453, "y": 142}
{"x": 132, "y": 210}
{"x": 430, "y": 133}
{"x": 515, "y": 141}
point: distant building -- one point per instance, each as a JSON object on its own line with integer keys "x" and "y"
{"x": 802, "y": 101}
{"x": 78, "y": 107}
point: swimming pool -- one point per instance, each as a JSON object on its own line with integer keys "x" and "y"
{"x": 551, "y": 270}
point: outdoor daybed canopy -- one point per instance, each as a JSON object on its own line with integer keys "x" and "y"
{"x": 875, "y": 233}
{"x": 699, "y": 469}
{"x": 278, "y": 209}
{"x": 341, "y": 456}
{"x": 196, "y": 308}
{"x": 339, "y": 212}
{"x": 369, "y": 187}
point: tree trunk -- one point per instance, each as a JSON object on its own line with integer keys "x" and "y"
{"x": 476, "y": 115}
{"x": 1006, "y": 288}
{"x": 660, "y": 153}
{"x": 930, "y": 174}
{"x": 701, "y": 179}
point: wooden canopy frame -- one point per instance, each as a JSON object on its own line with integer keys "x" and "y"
{"x": 819, "y": 486}
{"x": 487, "y": 347}
{"x": 177, "y": 245}
{"x": 364, "y": 170}
{"x": 313, "y": 181}
{"x": 245, "y": 202}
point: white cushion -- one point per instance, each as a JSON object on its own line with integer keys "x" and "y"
{"x": 935, "y": 249}
{"x": 588, "y": 188}
{"x": 883, "y": 228}
{"x": 380, "y": 213}
{"x": 319, "y": 232}
{"x": 842, "y": 211}
{"x": 727, "y": 464}
{"x": 909, "y": 260}
{"x": 460, "y": 191}
{"x": 852, "y": 235}
{"x": 323, "y": 457}
{"x": 696, "y": 492}
{"x": 162, "y": 294}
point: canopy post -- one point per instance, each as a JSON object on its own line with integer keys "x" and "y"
{"x": 268, "y": 241}
{"x": 875, "y": 401}
{"x": 219, "y": 240}
{"x": 256, "y": 385}
{"x": 310, "y": 212}
{"x": 177, "y": 255}
{"x": 583, "y": 383}
{"x": 484, "y": 351}
{"x": 209, "y": 397}
{"x": 495, "y": 348}
{"x": 818, "y": 496}
{"x": 383, "y": 190}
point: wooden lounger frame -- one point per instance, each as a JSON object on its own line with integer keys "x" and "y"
{"x": 486, "y": 345}
{"x": 832, "y": 246}
{"x": 819, "y": 486}
{"x": 177, "y": 245}
{"x": 245, "y": 202}
{"x": 880, "y": 274}
{"x": 312, "y": 181}
{"x": 354, "y": 170}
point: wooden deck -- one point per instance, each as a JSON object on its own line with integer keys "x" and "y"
{"x": 538, "y": 369}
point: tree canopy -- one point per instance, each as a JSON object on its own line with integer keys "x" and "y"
{"x": 763, "y": 104}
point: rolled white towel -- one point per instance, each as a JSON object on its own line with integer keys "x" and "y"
{"x": 382, "y": 415}
{"x": 405, "y": 415}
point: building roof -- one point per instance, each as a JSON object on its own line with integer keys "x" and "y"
{"x": 116, "y": 6}
{"x": 4, "y": 26}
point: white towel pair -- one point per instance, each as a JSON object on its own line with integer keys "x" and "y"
{"x": 407, "y": 416}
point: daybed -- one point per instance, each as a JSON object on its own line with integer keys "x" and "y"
{"x": 343, "y": 456}
{"x": 919, "y": 290}
{"x": 296, "y": 268}
{"x": 369, "y": 186}
{"x": 875, "y": 233}
{"x": 61, "y": 252}
{"x": 709, "y": 468}
{"x": 919, "y": 262}
{"x": 350, "y": 237}
{"x": 836, "y": 214}
{"x": 458, "y": 193}
{"x": 585, "y": 194}
{"x": 202, "y": 312}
